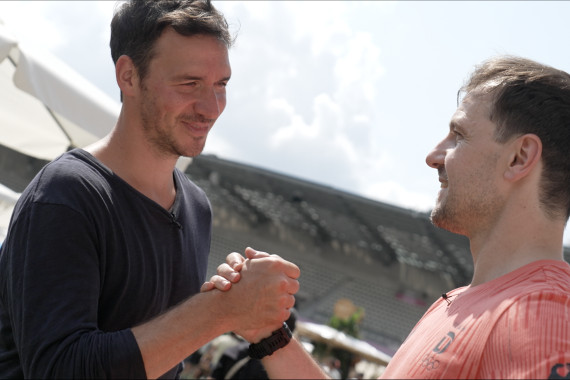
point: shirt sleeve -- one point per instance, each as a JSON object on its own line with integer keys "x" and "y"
{"x": 52, "y": 293}
{"x": 531, "y": 340}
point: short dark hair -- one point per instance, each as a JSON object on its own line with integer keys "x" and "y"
{"x": 137, "y": 24}
{"x": 529, "y": 97}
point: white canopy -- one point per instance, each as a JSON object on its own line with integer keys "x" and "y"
{"x": 335, "y": 338}
{"x": 45, "y": 106}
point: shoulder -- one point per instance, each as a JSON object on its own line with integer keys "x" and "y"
{"x": 187, "y": 184}
{"x": 544, "y": 277}
{"x": 191, "y": 191}
{"x": 557, "y": 275}
{"x": 540, "y": 297}
{"x": 531, "y": 336}
{"x": 71, "y": 178}
{"x": 535, "y": 279}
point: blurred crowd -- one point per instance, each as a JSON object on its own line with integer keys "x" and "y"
{"x": 226, "y": 357}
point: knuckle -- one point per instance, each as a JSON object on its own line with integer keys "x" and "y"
{"x": 296, "y": 286}
{"x": 292, "y": 301}
{"x": 233, "y": 258}
{"x": 283, "y": 285}
{"x": 221, "y": 268}
{"x": 271, "y": 261}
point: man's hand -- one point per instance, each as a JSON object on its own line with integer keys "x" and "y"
{"x": 271, "y": 283}
{"x": 274, "y": 281}
{"x": 229, "y": 272}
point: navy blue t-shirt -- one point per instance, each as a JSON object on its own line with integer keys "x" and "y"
{"x": 86, "y": 258}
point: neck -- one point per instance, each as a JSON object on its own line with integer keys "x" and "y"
{"x": 130, "y": 157}
{"x": 505, "y": 247}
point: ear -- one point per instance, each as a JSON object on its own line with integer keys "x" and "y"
{"x": 126, "y": 74}
{"x": 526, "y": 153}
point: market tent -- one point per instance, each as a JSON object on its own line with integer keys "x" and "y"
{"x": 45, "y": 106}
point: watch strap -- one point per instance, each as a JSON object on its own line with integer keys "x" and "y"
{"x": 278, "y": 339}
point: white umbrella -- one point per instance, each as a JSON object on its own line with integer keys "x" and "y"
{"x": 45, "y": 106}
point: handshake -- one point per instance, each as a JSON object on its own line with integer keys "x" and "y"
{"x": 258, "y": 290}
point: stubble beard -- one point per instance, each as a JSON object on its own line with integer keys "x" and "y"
{"x": 466, "y": 214}
{"x": 445, "y": 216}
{"x": 158, "y": 134}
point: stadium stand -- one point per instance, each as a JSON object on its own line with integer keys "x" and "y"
{"x": 17, "y": 169}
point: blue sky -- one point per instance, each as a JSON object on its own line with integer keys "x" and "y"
{"x": 345, "y": 93}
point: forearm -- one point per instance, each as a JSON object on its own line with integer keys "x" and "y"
{"x": 292, "y": 362}
{"x": 171, "y": 337}
{"x": 258, "y": 303}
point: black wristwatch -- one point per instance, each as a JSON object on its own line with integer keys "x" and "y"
{"x": 278, "y": 339}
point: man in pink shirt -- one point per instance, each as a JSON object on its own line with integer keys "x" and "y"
{"x": 505, "y": 184}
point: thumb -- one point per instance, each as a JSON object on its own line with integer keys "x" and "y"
{"x": 251, "y": 253}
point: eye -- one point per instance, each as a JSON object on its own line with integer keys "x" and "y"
{"x": 457, "y": 134}
{"x": 190, "y": 84}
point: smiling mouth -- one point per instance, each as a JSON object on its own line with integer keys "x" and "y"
{"x": 442, "y": 176}
{"x": 197, "y": 129}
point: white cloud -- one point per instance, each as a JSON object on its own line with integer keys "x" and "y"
{"x": 307, "y": 104}
{"x": 323, "y": 21}
{"x": 27, "y": 21}
{"x": 394, "y": 193}
{"x": 358, "y": 68}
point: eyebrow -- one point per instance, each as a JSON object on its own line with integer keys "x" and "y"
{"x": 455, "y": 126}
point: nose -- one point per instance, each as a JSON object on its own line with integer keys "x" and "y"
{"x": 436, "y": 158}
{"x": 211, "y": 103}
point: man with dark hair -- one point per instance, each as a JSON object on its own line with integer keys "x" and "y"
{"x": 107, "y": 247}
{"x": 135, "y": 28}
{"x": 505, "y": 184}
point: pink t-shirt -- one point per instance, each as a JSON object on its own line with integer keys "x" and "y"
{"x": 515, "y": 326}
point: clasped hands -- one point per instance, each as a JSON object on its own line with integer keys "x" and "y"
{"x": 260, "y": 289}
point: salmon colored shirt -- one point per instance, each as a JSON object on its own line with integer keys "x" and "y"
{"x": 515, "y": 326}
